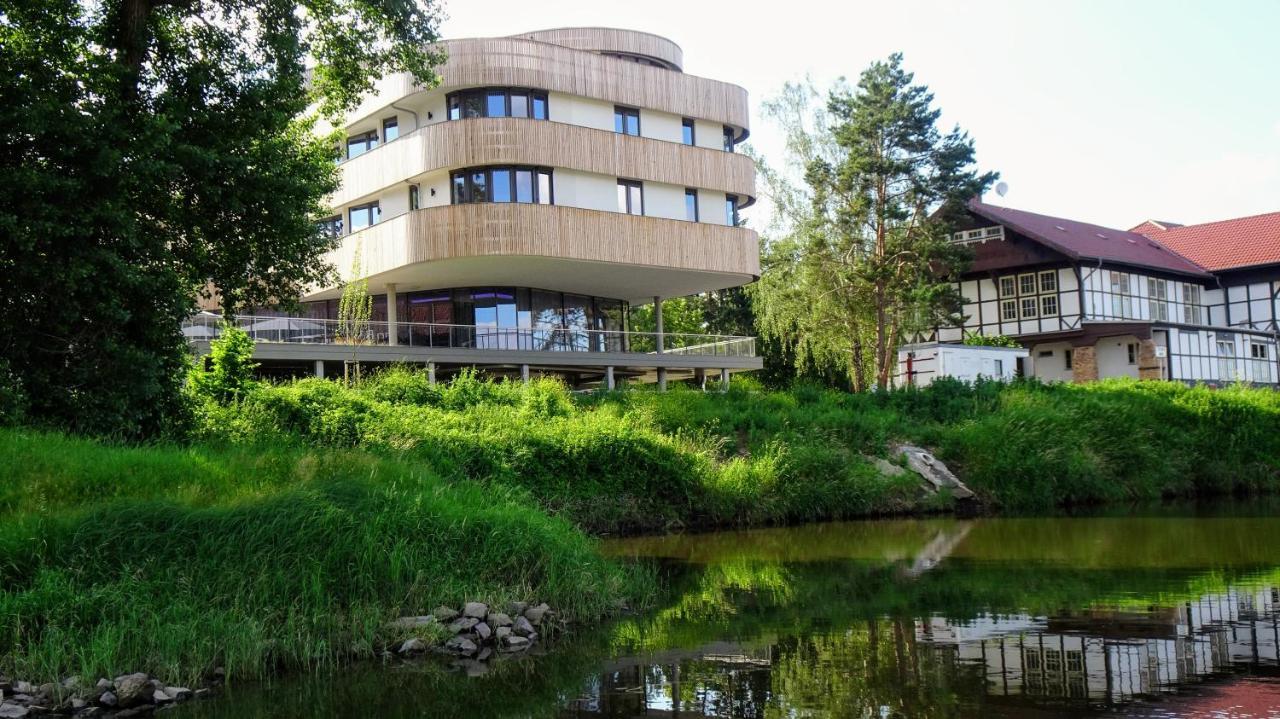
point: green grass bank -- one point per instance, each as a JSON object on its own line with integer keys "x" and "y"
{"x": 304, "y": 516}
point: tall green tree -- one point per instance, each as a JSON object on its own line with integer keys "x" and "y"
{"x": 155, "y": 149}
{"x": 861, "y": 259}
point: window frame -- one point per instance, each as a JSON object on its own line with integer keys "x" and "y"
{"x": 456, "y": 101}
{"x": 1044, "y": 301}
{"x": 729, "y": 140}
{"x": 415, "y": 197}
{"x": 625, "y": 206}
{"x": 365, "y": 138}
{"x": 1035, "y": 308}
{"x": 1012, "y": 280}
{"x": 393, "y": 121}
{"x": 1191, "y": 310}
{"x": 1052, "y": 275}
{"x": 1068, "y": 358}
{"x": 1023, "y": 281}
{"x": 374, "y": 217}
{"x": 731, "y": 217}
{"x": 688, "y": 193}
{"x": 332, "y": 226}
{"x": 687, "y": 123}
{"x": 620, "y": 115}
{"x": 466, "y": 174}
{"x": 1005, "y": 305}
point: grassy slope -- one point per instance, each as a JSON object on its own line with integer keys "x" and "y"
{"x": 174, "y": 561}
{"x": 307, "y": 515}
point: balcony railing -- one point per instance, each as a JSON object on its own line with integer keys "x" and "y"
{"x": 302, "y": 330}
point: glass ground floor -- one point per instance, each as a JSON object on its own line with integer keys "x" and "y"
{"x": 499, "y": 318}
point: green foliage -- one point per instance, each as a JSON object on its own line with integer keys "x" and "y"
{"x": 977, "y": 340}
{"x": 231, "y": 365}
{"x": 178, "y": 130}
{"x": 13, "y": 400}
{"x": 861, "y": 260}
{"x": 174, "y": 561}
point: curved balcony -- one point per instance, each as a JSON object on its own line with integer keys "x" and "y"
{"x": 606, "y": 254}
{"x": 608, "y": 39}
{"x": 518, "y": 141}
{"x": 517, "y": 62}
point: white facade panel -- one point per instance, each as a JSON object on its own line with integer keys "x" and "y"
{"x": 586, "y": 190}
{"x": 582, "y": 111}
{"x": 661, "y": 200}
{"x": 661, "y": 126}
{"x": 708, "y": 134}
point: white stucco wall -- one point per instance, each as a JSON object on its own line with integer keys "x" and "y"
{"x": 1113, "y": 357}
{"x": 582, "y": 111}
{"x": 662, "y": 126}
{"x": 661, "y": 200}
{"x": 1053, "y": 367}
{"x": 586, "y": 190}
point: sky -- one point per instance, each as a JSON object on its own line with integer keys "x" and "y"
{"x": 1109, "y": 112}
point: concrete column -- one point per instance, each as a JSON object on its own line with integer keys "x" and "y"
{"x": 662, "y": 379}
{"x": 724, "y": 380}
{"x": 320, "y": 369}
{"x": 431, "y": 373}
{"x": 657, "y": 318}
{"x": 524, "y": 373}
{"x": 608, "y": 378}
{"x": 392, "y": 333}
{"x": 1084, "y": 364}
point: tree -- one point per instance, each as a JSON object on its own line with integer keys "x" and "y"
{"x": 355, "y": 309}
{"x": 157, "y": 148}
{"x": 861, "y": 258}
{"x": 230, "y": 372}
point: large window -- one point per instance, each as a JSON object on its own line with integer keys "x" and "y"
{"x": 1121, "y": 295}
{"x": 1008, "y": 286}
{"x": 502, "y": 184}
{"x": 1191, "y": 305}
{"x": 498, "y": 102}
{"x": 331, "y": 226}
{"x": 1158, "y": 299}
{"x": 691, "y": 205}
{"x": 630, "y": 197}
{"x": 731, "y": 210}
{"x": 687, "y": 131}
{"x": 728, "y": 139}
{"x": 360, "y": 144}
{"x": 390, "y": 129}
{"x": 626, "y": 120}
{"x": 363, "y": 216}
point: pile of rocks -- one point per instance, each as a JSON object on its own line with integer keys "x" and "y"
{"x": 129, "y": 695}
{"x": 477, "y": 632}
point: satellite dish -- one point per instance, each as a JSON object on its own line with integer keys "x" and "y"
{"x": 1002, "y": 188}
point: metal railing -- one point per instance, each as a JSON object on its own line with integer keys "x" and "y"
{"x": 304, "y": 330}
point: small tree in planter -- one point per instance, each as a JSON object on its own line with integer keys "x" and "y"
{"x": 355, "y": 309}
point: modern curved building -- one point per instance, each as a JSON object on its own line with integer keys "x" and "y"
{"x": 511, "y": 216}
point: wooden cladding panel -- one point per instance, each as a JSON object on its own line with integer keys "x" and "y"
{"x": 526, "y": 63}
{"x": 522, "y": 230}
{"x": 606, "y": 39}
{"x": 489, "y": 141}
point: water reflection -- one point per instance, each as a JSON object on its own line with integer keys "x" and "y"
{"x": 1134, "y": 616}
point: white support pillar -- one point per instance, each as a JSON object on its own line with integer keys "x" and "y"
{"x": 724, "y": 380}
{"x": 662, "y": 379}
{"x": 392, "y": 327}
{"x": 524, "y": 373}
{"x": 608, "y": 378}
{"x": 657, "y": 318}
{"x": 320, "y": 369}
{"x": 431, "y": 373}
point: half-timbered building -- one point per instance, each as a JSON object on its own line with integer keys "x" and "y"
{"x": 1161, "y": 301}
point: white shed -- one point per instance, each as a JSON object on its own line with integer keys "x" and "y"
{"x": 920, "y": 364}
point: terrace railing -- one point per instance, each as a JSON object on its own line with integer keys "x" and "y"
{"x": 303, "y": 330}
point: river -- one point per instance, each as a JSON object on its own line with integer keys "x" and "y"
{"x": 1168, "y": 612}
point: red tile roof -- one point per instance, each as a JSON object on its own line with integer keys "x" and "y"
{"x": 1149, "y": 226}
{"x": 1228, "y": 244}
{"x": 1081, "y": 240}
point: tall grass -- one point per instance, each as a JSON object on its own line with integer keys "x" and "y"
{"x": 173, "y": 561}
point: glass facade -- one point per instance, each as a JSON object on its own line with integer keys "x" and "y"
{"x": 498, "y": 102}
{"x": 501, "y": 184}
{"x": 500, "y": 318}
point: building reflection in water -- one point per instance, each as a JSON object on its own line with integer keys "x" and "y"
{"x": 1081, "y": 661}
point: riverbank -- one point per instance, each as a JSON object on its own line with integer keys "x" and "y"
{"x": 305, "y": 517}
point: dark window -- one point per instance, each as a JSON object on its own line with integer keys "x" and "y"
{"x": 626, "y": 120}
{"x": 731, "y": 210}
{"x": 390, "y": 129}
{"x": 687, "y": 131}
{"x": 497, "y": 102}
{"x": 363, "y": 216}
{"x": 1133, "y": 353}
{"x": 630, "y": 197}
{"x": 413, "y": 197}
{"x": 1067, "y": 358}
{"x": 691, "y": 205}
{"x": 502, "y": 184}
{"x": 728, "y": 139}
{"x": 360, "y": 144}
{"x": 331, "y": 226}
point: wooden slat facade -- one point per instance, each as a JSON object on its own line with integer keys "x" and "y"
{"x": 518, "y": 141}
{"x": 608, "y": 39}
{"x": 525, "y": 230}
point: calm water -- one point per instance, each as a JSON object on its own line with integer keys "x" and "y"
{"x": 1175, "y": 614}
